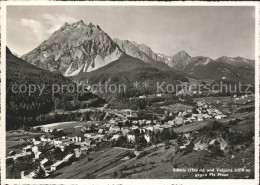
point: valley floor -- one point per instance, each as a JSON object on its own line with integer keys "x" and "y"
{"x": 188, "y": 156}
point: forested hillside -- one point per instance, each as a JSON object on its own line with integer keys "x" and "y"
{"x": 23, "y": 109}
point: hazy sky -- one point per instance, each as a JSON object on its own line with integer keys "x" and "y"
{"x": 207, "y": 31}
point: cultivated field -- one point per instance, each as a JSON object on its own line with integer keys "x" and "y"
{"x": 93, "y": 164}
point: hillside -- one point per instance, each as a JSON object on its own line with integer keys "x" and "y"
{"x": 24, "y": 109}
{"x": 220, "y": 70}
{"x": 237, "y": 62}
{"x": 144, "y": 53}
{"x": 140, "y": 51}
{"x": 127, "y": 70}
{"x": 235, "y": 69}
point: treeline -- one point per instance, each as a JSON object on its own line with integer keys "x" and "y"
{"x": 139, "y": 104}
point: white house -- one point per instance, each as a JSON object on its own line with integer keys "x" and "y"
{"x": 77, "y": 152}
{"x": 159, "y": 95}
{"x": 149, "y": 128}
{"x": 220, "y": 116}
{"x": 131, "y": 137}
{"x": 114, "y": 129}
{"x": 37, "y": 155}
{"x": 44, "y": 162}
{"x": 135, "y": 122}
{"x": 178, "y": 120}
{"x": 147, "y": 137}
{"x": 35, "y": 149}
{"x": 148, "y": 122}
{"x": 116, "y": 137}
{"x": 28, "y": 148}
{"x": 101, "y": 131}
{"x": 171, "y": 122}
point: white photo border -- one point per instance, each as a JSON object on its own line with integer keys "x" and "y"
{"x": 124, "y": 181}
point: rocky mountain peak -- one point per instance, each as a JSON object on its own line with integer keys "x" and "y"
{"x": 66, "y": 24}
{"x": 91, "y": 25}
{"x": 80, "y": 22}
{"x": 179, "y": 61}
{"x": 183, "y": 53}
{"x": 75, "y": 48}
{"x": 140, "y": 51}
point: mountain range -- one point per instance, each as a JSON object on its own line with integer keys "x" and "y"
{"x": 84, "y": 52}
{"x": 80, "y": 50}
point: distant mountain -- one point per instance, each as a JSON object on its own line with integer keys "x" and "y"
{"x": 236, "y": 69}
{"x": 144, "y": 53}
{"x": 179, "y": 61}
{"x": 78, "y": 48}
{"x": 156, "y": 56}
{"x": 194, "y": 64}
{"x": 133, "y": 49}
{"x": 237, "y": 62}
{"x": 140, "y": 51}
{"x": 75, "y": 48}
{"x": 216, "y": 70}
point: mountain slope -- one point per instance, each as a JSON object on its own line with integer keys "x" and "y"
{"x": 220, "y": 70}
{"x": 194, "y": 64}
{"x": 132, "y": 49}
{"x": 237, "y": 62}
{"x": 75, "y": 48}
{"x": 127, "y": 70}
{"x": 148, "y": 51}
{"x": 128, "y": 64}
{"x": 142, "y": 52}
{"x": 23, "y": 109}
{"x": 236, "y": 69}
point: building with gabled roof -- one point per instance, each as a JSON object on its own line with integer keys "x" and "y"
{"x": 57, "y": 165}
{"x": 68, "y": 158}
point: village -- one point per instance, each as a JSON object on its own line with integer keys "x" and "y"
{"x": 54, "y": 149}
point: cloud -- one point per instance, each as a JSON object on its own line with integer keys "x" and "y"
{"x": 36, "y": 27}
{"x": 49, "y": 24}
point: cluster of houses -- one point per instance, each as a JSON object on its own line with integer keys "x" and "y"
{"x": 80, "y": 144}
{"x": 36, "y": 147}
{"x": 245, "y": 99}
{"x": 47, "y": 166}
{"x": 94, "y": 133}
{"x": 203, "y": 112}
{"x": 147, "y": 96}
